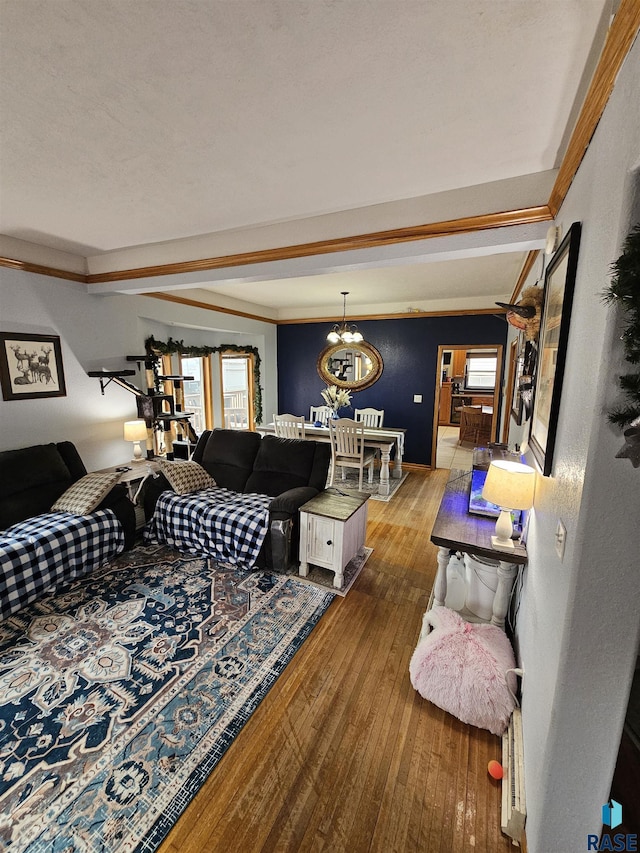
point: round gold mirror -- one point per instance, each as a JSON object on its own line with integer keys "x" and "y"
{"x": 352, "y": 366}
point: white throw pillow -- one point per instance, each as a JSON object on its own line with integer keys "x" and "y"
{"x": 186, "y": 477}
{"x": 86, "y": 493}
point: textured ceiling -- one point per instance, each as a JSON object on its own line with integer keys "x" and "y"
{"x": 132, "y": 123}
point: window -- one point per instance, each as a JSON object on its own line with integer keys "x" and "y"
{"x": 237, "y": 391}
{"x": 481, "y": 371}
{"x": 197, "y": 391}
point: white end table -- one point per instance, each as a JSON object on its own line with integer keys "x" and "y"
{"x": 332, "y": 531}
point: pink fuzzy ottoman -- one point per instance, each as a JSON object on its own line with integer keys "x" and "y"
{"x": 462, "y": 668}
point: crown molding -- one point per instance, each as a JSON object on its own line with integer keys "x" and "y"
{"x": 194, "y": 303}
{"x": 207, "y": 306}
{"x": 41, "y": 269}
{"x": 524, "y": 273}
{"x": 620, "y": 38}
{"x": 408, "y": 315}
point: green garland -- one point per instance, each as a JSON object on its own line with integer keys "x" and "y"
{"x": 625, "y": 291}
{"x": 171, "y": 347}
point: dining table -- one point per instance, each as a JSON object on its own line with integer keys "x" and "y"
{"x": 383, "y": 439}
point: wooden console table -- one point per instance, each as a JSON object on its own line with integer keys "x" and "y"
{"x": 455, "y": 529}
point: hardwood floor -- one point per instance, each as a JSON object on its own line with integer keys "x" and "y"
{"x": 343, "y": 754}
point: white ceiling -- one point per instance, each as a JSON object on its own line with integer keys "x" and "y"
{"x": 125, "y": 124}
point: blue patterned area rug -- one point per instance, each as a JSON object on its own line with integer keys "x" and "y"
{"x": 119, "y": 695}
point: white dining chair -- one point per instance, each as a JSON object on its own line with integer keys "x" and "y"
{"x": 369, "y": 417}
{"x": 320, "y": 414}
{"x": 289, "y": 426}
{"x": 348, "y": 449}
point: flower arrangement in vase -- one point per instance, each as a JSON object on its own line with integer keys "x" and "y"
{"x": 336, "y": 398}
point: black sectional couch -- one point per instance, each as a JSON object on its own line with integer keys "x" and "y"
{"x": 290, "y": 471}
{"x": 33, "y": 478}
{"x": 41, "y": 549}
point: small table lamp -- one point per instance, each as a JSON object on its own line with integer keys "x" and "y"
{"x": 135, "y": 431}
{"x": 509, "y": 485}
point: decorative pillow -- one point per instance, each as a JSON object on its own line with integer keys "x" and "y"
{"x": 186, "y": 477}
{"x": 463, "y": 669}
{"x": 86, "y": 493}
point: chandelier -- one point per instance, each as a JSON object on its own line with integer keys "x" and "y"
{"x": 347, "y": 332}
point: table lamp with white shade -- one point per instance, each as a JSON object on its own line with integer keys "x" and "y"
{"x": 136, "y": 431}
{"x": 509, "y": 485}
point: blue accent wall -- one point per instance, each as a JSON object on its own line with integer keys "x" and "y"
{"x": 409, "y": 350}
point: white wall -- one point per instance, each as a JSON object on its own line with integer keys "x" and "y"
{"x": 578, "y": 624}
{"x": 97, "y": 332}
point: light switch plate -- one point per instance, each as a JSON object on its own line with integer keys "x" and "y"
{"x": 417, "y": 398}
{"x": 561, "y": 538}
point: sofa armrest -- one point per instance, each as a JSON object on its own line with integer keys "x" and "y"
{"x": 284, "y": 526}
{"x": 288, "y": 503}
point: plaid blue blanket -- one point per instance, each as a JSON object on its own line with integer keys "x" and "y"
{"x": 41, "y": 554}
{"x": 226, "y": 525}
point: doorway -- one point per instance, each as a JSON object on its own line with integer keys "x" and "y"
{"x": 236, "y": 372}
{"x": 466, "y": 375}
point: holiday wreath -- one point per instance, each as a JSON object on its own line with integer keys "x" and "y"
{"x": 624, "y": 291}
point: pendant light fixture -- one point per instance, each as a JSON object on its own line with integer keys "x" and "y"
{"x": 347, "y": 333}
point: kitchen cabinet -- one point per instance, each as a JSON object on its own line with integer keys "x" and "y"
{"x": 444, "y": 412}
{"x": 459, "y": 362}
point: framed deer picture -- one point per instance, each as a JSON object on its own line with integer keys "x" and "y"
{"x": 30, "y": 366}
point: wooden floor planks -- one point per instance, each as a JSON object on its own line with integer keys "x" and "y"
{"x": 343, "y": 755}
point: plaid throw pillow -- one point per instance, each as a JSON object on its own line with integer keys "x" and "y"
{"x": 86, "y": 494}
{"x": 186, "y": 477}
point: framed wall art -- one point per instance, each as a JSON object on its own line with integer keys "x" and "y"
{"x": 30, "y": 366}
{"x": 526, "y": 378}
{"x": 559, "y": 284}
{"x": 513, "y": 383}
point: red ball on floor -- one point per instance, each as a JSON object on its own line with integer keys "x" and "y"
{"x": 495, "y": 769}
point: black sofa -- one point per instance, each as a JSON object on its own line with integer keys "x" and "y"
{"x": 33, "y": 478}
{"x": 291, "y": 471}
{"x": 42, "y": 549}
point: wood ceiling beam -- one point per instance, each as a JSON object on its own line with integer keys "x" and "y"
{"x": 376, "y": 239}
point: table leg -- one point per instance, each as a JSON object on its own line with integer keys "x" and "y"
{"x": 303, "y": 570}
{"x": 383, "y": 488}
{"x": 338, "y": 580}
{"x": 397, "y": 462}
{"x": 440, "y": 586}
{"x": 506, "y": 577}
